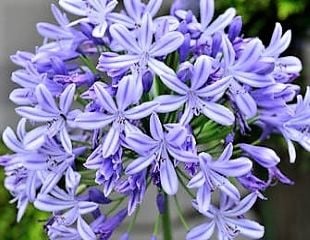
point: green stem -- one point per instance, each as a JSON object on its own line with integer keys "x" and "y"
{"x": 166, "y": 221}
{"x": 179, "y": 172}
{"x": 179, "y": 211}
{"x": 156, "y": 226}
{"x": 133, "y": 221}
{"x": 117, "y": 204}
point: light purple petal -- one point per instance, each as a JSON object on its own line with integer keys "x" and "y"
{"x": 134, "y": 9}
{"x": 65, "y": 140}
{"x": 248, "y": 228}
{"x": 156, "y": 128}
{"x": 169, "y": 103}
{"x": 11, "y": 141}
{"x": 100, "y": 30}
{"x": 93, "y": 120}
{"x": 145, "y": 33}
{"x": 264, "y": 156}
{"x": 35, "y": 114}
{"x": 168, "y": 76}
{"x": 74, "y": 7}
{"x": 221, "y": 22}
{"x": 228, "y": 51}
{"x": 234, "y": 168}
{"x": 124, "y": 95}
{"x": 253, "y": 79}
{"x": 140, "y": 164}
{"x": 108, "y": 61}
{"x": 243, "y": 206}
{"x": 45, "y": 99}
{"x": 50, "y": 182}
{"x": 197, "y": 181}
{"x": 201, "y": 232}
{"x": 203, "y": 198}
{"x": 104, "y": 97}
{"x": 141, "y": 111}
{"x": 201, "y": 71}
{"x": 219, "y": 87}
{"x": 66, "y": 98}
{"x": 153, "y": 7}
{"x": 35, "y": 138}
{"x": 168, "y": 177}
{"x": 182, "y": 155}
{"x": 125, "y": 38}
{"x": 50, "y": 204}
{"x": 85, "y": 230}
{"x": 121, "y": 19}
{"x": 33, "y": 161}
{"x": 110, "y": 143}
{"x": 218, "y": 113}
{"x": 176, "y": 135}
{"x": 87, "y": 207}
{"x": 168, "y": 43}
{"x": 140, "y": 143}
{"x": 206, "y": 12}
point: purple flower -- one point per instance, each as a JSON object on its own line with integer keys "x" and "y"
{"x": 196, "y": 96}
{"x": 213, "y": 175}
{"x": 135, "y": 10}
{"x": 47, "y": 112}
{"x": 141, "y": 49}
{"x": 67, "y": 205}
{"x": 93, "y": 11}
{"x": 266, "y": 157}
{"x": 158, "y": 150}
{"x": 228, "y": 221}
{"x": 118, "y": 114}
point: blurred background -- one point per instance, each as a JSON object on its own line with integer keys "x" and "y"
{"x": 287, "y": 212}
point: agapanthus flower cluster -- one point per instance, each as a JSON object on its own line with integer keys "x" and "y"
{"x": 116, "y": 102}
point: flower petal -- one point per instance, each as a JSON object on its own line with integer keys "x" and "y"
{"x": 11, "y": 141}
{"x": 124, "y": 95}
{"x": 140, "y": 142}
{"x": 168, "y": 177}
{"x": 169, "y": 103}
{"x": 104, "y": 97}
{"x": 110, "y": 143}
{"x": 167, "y": 44}
{"x": 140, "y": 164}
{"x": 153, "y": 7}
{"x": 85, "y": 230}
{"x": 203, "y": 198}
{"x": 243, "y": 206}
{"x": 65, "y": 140}
{"x": 206, "y": 12}
{"x": 156, "y": 127}
{"x": 35, "y": 114}
{"x": 45, "y": 99}
{"x": 201, "y": 71}
{"x": 66, "y": 98}
{"x": 219, "y": 87}
{"x": 197, "y": 181}
{"x": 125, "y": 38}
{"x": 109, "y": 61}
{"x": 203, "y": 231}
{"x": 218, "y": 113}
{"x": 145, "y": 37}
{"x": 93, "y": 120}
{"x": 141, "y": 111}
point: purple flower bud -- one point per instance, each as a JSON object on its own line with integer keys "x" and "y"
{"x": 235, "y": 28}
{"x": 160, "y": 201}
{"x": 95, "y": 195}
{"x": 216, "y": 44}
{"x": 185, "y": 48}
{"x": 147, "y": 81}
{"x": 266, "y": 157}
